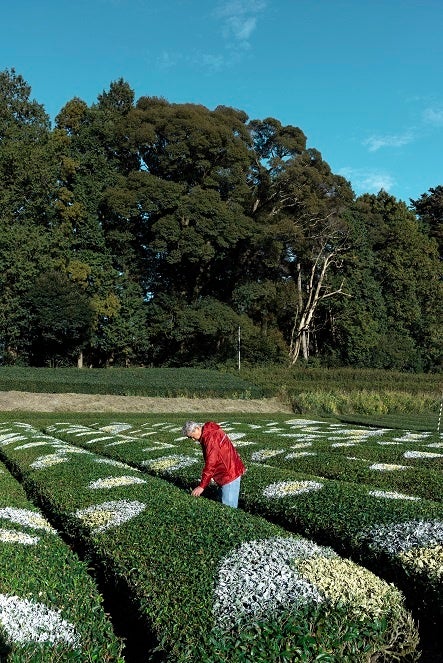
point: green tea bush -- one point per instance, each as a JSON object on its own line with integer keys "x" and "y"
{"x": 50, "y": 608}
{"x": 347, "y": 516}
{"x": 162, "y": 382}
{"x": 213, "y": 584}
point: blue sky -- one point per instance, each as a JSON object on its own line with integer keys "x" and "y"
{"x": 361, "y": 78}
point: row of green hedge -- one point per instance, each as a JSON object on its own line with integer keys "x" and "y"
{"x": 161, "y": 382}
{"x": 400, "y": 538}
{"x": 389, "y": 459}
{"x": 297, "y": 379}
{"x": 213, "y": 583}
{"x": 50, "y": 608}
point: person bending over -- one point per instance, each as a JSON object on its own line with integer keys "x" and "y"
{"x": 222, "y": 461}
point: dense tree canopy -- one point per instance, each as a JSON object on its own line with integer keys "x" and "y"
{"x": 145, "y": 232}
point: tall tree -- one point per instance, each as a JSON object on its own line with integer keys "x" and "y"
{"x": 95, "y": 157}
{"x": 429, "y": 208}
{"x": 396, "y": 288}
{"x": 61, "y": 319}
{"x": 181, "y": 213}
{"x": 299, "y": 205}
{"x": 28, "y": 176}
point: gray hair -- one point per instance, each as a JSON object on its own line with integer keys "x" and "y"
{"x": 189, "y": 427}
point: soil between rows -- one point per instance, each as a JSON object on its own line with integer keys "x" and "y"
{"x": 23, "y": 401}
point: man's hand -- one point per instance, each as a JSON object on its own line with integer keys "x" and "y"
{"x": 197, "y": 491}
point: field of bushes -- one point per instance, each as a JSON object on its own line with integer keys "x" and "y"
{"x": 335, "y": 554}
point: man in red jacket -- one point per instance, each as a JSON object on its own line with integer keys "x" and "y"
{"x": 222, "y": 461}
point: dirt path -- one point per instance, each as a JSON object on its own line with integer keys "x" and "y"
{"x": 22, "y": 401}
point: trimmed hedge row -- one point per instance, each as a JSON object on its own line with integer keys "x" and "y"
{"x": 50, "y": 608}
{"x": 398, "y": 537}
{"x": 213, "y": 583}
{"x": 164, "y": 382}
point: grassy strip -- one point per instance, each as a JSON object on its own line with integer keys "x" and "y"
{"x": 50, "y": 608}
{"x": 215, "y": 584}
{"x": 391, "y": 397}
{"x": 346, "y": 380}
{"x": 399, "y": 537}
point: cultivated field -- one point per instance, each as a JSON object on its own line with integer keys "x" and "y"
{"x": 335, "y": 554}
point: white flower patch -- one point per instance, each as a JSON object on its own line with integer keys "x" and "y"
{"x": 376, "y": 431}
{"x": 301, "y": 445}
{"x": 63, "y": 447}
{"x": 305, "y": 437}
{"x": 264, "y": 454}
{"x": 422, "y": 454}
{"x": 170, "y": 463}
{"x": 99, "y": 439}
{"x": 49, "y": 460}
{"x": 13, "y": 536}
{"x": 159, "y": 445}
{"x": 436, "y": 445}
{"x": 75, "y": 429}
{"x": 26, "y": 517}
{"x": 100, "y": 517}
{"x": 259, "y": 578}
{"x": 9, "y": 438}
{"x": 300, "y": 454}
{"x": 30, "y": 445}
{"x": 115, "y": 482}
{"x": 400, "y": 537}
{"x": 115, "y": 463}
{"x": 116, "y": 427}
{"x": 66, "y": 428}
{"x": 385, "y": 443}
{"x": 244, "y": 443}
{"x": 86, "y": 432}
{"x": 236, "y": 436}
{"x": 301, "y": 422}
{"x": 387, "y": 467}
{"x": 27, "y": 621}
{"x": 391, "y": 495}
{"x": 116, "y": 444}
{"x": 428, "y": 559}
{"x": 364, "y": 460}
{"x": 408, "y": 436}
{"x": 343, "y": 444}
{"x": 43, "y": 436}
{"x": 290, "y": 488}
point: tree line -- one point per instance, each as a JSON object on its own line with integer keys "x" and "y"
{"x": 143, "y": 232}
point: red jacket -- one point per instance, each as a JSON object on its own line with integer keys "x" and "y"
{"x": 222, "y": 462}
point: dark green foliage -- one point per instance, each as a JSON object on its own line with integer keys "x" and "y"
{"x": 62, "y": 318}
{"x": 165, "y": 216}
